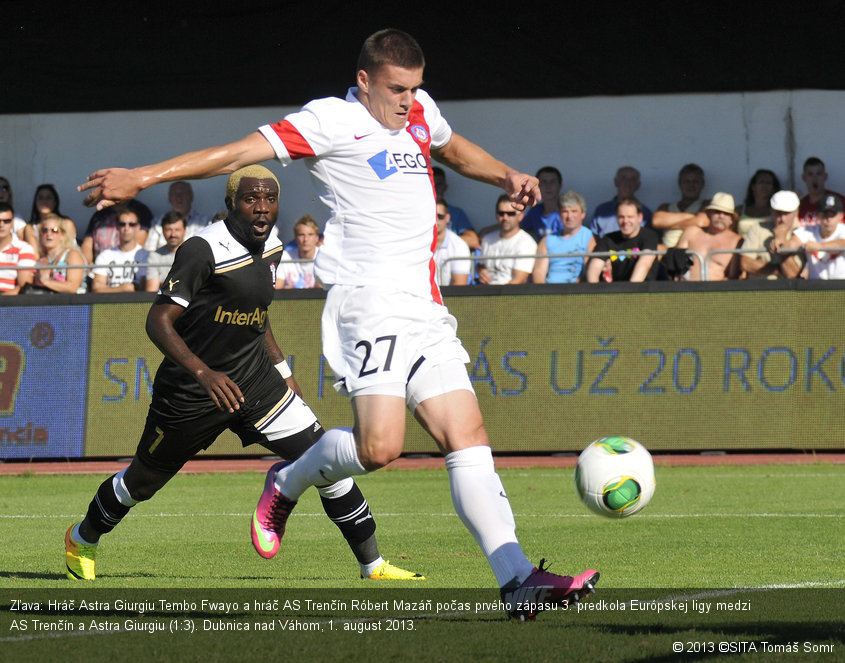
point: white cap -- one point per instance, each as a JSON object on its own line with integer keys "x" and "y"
{"x": 784, "y": 201}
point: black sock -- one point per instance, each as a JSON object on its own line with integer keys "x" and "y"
{"x": 351, "y": 514}
{"x": 104, "y": 512}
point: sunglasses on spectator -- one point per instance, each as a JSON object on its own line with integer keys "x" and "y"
{"x": 508, "y": 214}
{"x": 47, "y": 229}
{"x": 6, "y": 220}
{"x": 127, "y": 224}
{"x": 442, "y": 216}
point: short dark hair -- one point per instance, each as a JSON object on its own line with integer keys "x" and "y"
{"x": 550, "y": 169}
{"x": 813, "y": 161}
{"x": 691, "y": 168}
{"x": 390, "y": 46}
{"x": 631, "y": 200}
{"x": 123, "y": 208}
{"x": 173, "y": 217}
{"x": 6, "y": 207}
{"x": 503, "y": 198}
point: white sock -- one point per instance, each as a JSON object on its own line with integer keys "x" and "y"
{"x": 331, "y": 459}
{"x": 483, "y": 507}
{"x": 337, "y": 489}
{"x": 367, "y": 569}
{"x": 120, "y": 490}
{"x": 76, "y": 536}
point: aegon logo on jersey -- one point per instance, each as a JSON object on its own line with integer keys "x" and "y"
{"x": 257, "y": 317}
{"x": 385, "y": 164}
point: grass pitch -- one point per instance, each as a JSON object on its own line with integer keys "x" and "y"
{"x": 725, "y": 561}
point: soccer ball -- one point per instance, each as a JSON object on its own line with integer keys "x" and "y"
{"x": 615, "y": 476}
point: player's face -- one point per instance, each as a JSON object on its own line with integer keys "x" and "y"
{"x": 572, "y": 217}
{"x": 174, "y": 234}
{"x": 389, "y": 93}
{"x": 256, "y": 207}
{"x": 5, "y": 224}
{"x": 306, "y": 238}
{"x": 629, "y": 220}
{"x": 814, "y": 177}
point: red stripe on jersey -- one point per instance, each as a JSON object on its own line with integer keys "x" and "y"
{"x": 421, "y": 133}
{"x": 295, "y": 144}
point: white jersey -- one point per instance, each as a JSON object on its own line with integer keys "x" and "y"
{"x": 378, "y": 186}
{"x": 824, "y": 264}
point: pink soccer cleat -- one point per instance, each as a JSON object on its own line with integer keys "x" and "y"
{"x": 543, "y": 591}
{"x": 271, "y": 515}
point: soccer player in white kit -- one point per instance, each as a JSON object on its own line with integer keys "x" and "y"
{"x": 386, "y": 333}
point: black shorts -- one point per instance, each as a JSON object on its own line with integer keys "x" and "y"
{"x": 172, "y": 438}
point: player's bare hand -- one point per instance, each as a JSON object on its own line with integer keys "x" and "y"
{"x": 110, "y": 186}
{"x": 294, "y": 386}
{"x": 223, "y": 391}
{"x": 523, "y": 189}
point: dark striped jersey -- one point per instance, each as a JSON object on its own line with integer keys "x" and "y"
{"x": 226, "y": 292}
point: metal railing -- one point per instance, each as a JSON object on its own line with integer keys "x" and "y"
{"x": 608, "y": 254}
{"x": 476, "y": 258}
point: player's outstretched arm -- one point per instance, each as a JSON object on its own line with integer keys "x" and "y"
{"x": 222, "y": 390}
{"x": 475, "y": 162}
{"x": 112, "y": 185}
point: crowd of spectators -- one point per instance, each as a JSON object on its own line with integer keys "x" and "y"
{"x": 773, "y": 234}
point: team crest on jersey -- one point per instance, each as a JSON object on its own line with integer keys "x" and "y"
{"x": 420, "y": 133}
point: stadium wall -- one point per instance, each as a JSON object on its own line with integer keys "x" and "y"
{"x": 588, "y": 138}
{"x": 680, "y": 367}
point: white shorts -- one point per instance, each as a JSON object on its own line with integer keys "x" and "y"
{"x": 288, "y": 416}
{"x": 383, "y": 341}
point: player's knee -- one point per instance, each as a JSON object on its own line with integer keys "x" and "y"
{"x": 142, "y": 481}
{"x": 374, "y": 457}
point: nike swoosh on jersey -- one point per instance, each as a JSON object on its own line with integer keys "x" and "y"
{"x": 357, "y": 137}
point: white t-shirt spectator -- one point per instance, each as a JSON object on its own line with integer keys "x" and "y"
{"x": 501, "y": 270}
{"x": 824, "y": 265}
{"x": 452, "y": 247}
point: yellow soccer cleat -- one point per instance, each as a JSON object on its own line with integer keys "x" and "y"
{"x": 386, "y": 571}
{"x": 79, "y": 558}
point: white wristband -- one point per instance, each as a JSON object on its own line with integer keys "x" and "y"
{"x": 284, "y": 369}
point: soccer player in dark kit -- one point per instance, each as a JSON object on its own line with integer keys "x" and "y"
{"x": 223, "y": 369}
